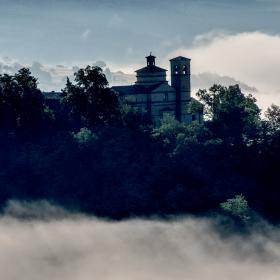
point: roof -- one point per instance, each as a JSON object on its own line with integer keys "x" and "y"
{"x": 135, "y": 89}
{"x": 150, "y": 56}
{"x": 180, "y": 58}
{"x": 149, "y": 69}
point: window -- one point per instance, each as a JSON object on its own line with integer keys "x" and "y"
{"x": 193, "y": 118}
{"x": 165, "y": 96}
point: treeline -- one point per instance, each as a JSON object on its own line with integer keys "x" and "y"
{"x": 96, "y": 154}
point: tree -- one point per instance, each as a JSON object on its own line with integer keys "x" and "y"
{"x": 21, "y": 102}
{"x": 133, "y": 118}
{"x": 32, "y": 100}
{"x": 194, "y": 107}
{"x": 89, "y": 100}
{"x": 272, "y": 115}
{"x": 237, "y": 207}
{"x": 176, "y": 135}
{"x": 84, "y": 136}
{"x": 9, "y": 101}
{"x": 233, "y": 116}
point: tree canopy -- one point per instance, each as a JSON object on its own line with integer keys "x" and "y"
{"x": 234, "y": 116}
{"x": 272, "y": 115}
{"x": 21, "y": 102}
{"x": 89, "y": 100}
{"x": 101, "y": 156}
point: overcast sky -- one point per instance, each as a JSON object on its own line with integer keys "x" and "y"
{"x": 220, "y": 36}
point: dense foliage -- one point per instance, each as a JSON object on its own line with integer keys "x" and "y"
{"x": 21, "y": 102}
{"x": 97, "y": 155}
{"x": 90, "y": 101}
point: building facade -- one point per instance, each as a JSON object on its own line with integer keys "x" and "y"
{"x": 152, "y": 96}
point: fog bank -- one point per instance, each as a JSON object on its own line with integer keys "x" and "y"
{"x": 40, "y": 241}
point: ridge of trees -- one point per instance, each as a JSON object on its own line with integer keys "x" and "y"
{"x": 98, "y": 155}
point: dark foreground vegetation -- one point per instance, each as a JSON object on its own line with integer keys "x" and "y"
{"x": 95, "y": 154}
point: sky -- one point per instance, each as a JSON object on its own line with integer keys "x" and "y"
{"x": 227, "y": 40}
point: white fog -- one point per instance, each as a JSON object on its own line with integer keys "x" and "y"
{"x": 40, "y": 241}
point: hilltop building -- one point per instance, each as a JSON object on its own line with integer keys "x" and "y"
{"x": 153, "y": 96}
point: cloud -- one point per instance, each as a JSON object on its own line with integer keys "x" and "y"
{"x": 207, "y": 79}
{"x": 115, "y": 21}
{"x": 85, "y": 35}
{"x": 206, "y": 38}
{"x": 38, "y": 210}
{"x": 77, "y": 247}
{"x": 100, "y": 64}
{"x": 252, "y": 57}
{"x": 54, "y": 77}
{"x": 9, "y": 65}
{"x": 38, "y": 69}
{"x": 48, "y": 77}
{"x": 119, "y": 78}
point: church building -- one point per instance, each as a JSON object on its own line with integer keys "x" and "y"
{"x": 152, "y": 96}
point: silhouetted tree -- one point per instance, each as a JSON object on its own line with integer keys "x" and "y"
{"x": 131, "y": 168}
{"x": 89, "y": 100}
{"x": 176, "y": 135}
{"x": 234, "y": 116}
{"x": 273, "y": 118}
{"x": 21, "y": 102}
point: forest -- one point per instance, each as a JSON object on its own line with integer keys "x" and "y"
{"x": 95, "y": 154}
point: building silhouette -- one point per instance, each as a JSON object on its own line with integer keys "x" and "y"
{"x": 152, "y": 96}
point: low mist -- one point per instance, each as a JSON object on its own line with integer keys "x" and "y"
{"x": 40, "y": 241}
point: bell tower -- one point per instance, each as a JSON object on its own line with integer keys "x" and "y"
{"x": 181, "y": 82}
{"x": 151, "y": 60}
